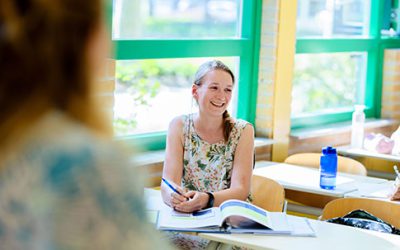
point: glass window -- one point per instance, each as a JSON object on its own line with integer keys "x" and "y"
{"x": 338, "y": 61}
{"x": 176, "y": 19}
{"x": 159, "y": 44}
{"x": 333, "y": 18}
{"x": 149, "y": 93}
{"x": 327, "y": 83}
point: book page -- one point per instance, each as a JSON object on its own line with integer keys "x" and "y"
{"x": 236, "y": 210}
{"x": 170, "y": 219}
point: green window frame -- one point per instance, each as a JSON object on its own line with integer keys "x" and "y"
{"x": 246, "y": 47}
{"x": 374, "y": 45}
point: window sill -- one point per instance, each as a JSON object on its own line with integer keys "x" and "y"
{"x": 337, "y": 128}
{"x": 338, "y": 134}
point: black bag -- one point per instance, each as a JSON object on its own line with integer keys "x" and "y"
{"x": 363, "y": 219}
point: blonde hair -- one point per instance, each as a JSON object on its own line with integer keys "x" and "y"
{"x": 203, "y": 70}
{"x": 44, "y": 64}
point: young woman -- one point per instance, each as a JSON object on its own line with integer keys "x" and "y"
{"x": 209, "y": 155}
{"x": 63, "y": 183}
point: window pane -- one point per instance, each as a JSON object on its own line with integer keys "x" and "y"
{"x": 332, "y": 18}
{"x": 137, "y": 19}
{"x": 149, "y": 93}
{"x": 327, "y": 82}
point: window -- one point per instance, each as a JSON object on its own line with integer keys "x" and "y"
{"x": 159, "y": 45}
{"x": 176, "y": 19}
{"x": 338, "y": 62}
{"x": 150, "y": 92}
{"x": 326, "y": 82}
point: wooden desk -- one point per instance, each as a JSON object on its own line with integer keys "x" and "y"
{"x": 329, "y": 236}
{"x": 302, "y": 183}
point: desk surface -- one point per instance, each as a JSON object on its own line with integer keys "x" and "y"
{"x": 329, "y": 236}
{"x": 377, "y": 191}
{"x": 306, "y": 179}
{"x": 348, "y": 151}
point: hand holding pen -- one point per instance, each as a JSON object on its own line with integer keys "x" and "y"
{"x": 176, "y": 196}
{"x": 186, "y": 202}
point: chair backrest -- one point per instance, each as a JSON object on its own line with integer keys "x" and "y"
{"x": 385, "y": 210}
{"x": 345, "y": 164}
{"x": 267, "y": 194}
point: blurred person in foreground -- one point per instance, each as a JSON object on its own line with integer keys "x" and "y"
{"x": 63, "y": 183}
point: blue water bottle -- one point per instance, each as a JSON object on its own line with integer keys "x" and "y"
{"x": 328, "y": 168}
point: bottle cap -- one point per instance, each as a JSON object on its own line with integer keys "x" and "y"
{"x": 329, "y": 150}
{"x": 359, "y": 107}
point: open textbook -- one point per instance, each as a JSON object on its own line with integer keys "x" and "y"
{"x": 234, "y": 216}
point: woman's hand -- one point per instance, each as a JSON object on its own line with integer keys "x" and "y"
{"x": 197, "y": 201}
{"x": 174, "y": 198}
{"x": 177, "y": 199}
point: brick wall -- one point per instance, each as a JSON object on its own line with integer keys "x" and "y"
{"x": 266, "y": 75}
{"x": 391, "y": 85}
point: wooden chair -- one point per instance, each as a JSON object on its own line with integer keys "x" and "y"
{"x": 345, "y": 164}
{"x": 385, "y": 210}
{"x": 267, "y": 194}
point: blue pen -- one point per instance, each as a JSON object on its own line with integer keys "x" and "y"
{"x": 171, "y": 187}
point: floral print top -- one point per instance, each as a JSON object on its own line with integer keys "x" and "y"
{"x": 208, "y": 167}
{"x": 63, "y": 187}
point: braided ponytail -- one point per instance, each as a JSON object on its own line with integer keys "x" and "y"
{"x": 228, "y": 125}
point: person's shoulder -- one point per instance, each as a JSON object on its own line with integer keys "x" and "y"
{"x": 240, "y": 123}
{"x": 57, "y": 134}
{"x": 178, "y": 122}
{"x": 61, "y": 129}
{"x": 243, "y": 128}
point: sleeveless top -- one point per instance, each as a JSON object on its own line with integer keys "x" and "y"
{"x": 208, "y": 167}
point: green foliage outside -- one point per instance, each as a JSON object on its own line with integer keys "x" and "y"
{"x": 142, "y": 79}
{"x": 324, "y": 82}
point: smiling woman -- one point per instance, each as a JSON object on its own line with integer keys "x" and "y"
{"x": 209, "y": 153}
